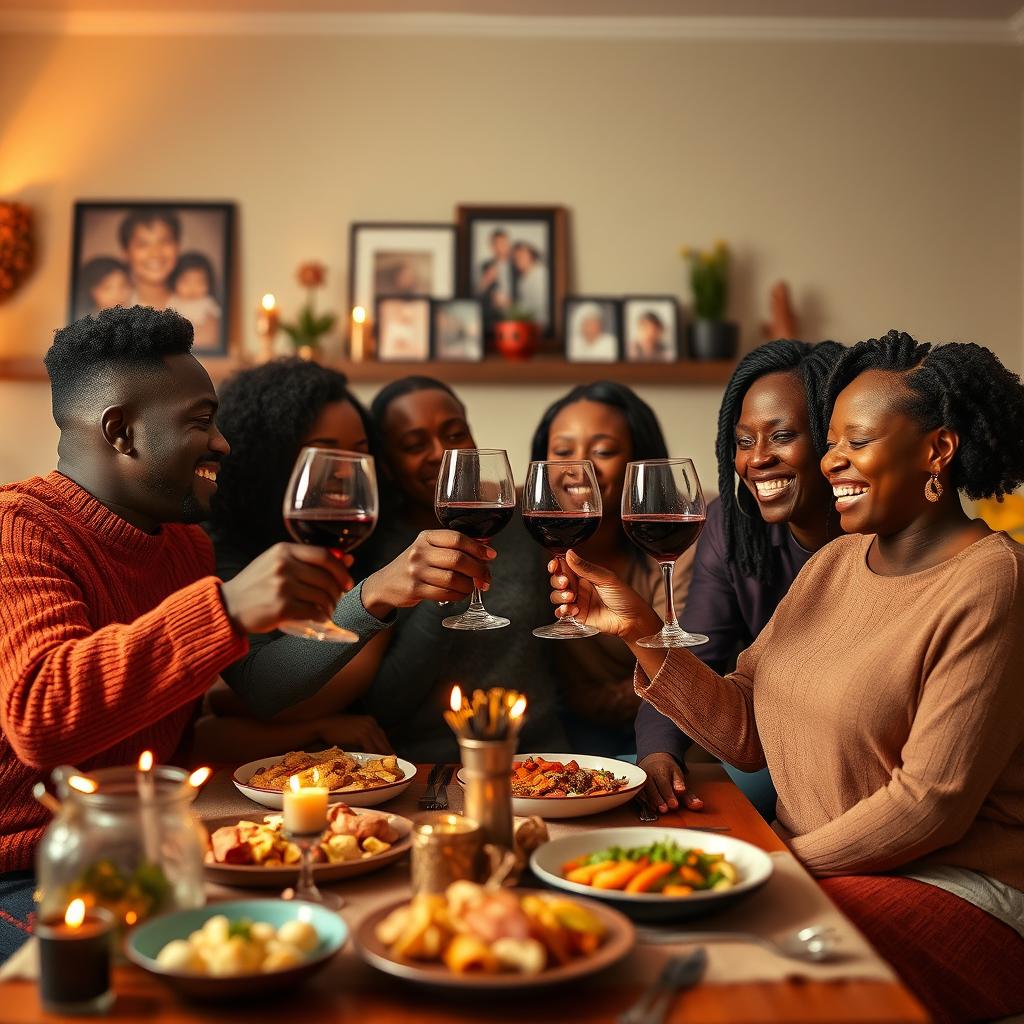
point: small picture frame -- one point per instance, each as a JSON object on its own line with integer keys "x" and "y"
{"x": 650, "y": 328}
{"x": 403, "y": 328}
{"x": 389, "y": 259}
{"x": 159, "y": 253}
{"x": 592, "y": 329}
{"x": 457, "y": 330}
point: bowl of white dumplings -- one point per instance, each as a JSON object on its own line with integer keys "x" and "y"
{"x": 237, "y": 949}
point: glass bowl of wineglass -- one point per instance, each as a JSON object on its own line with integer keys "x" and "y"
{"x": 562, "y": 509}
{"x": 331, "y": 501}
{"x": 663, "y": 514}
{"x": 476, "y": 496}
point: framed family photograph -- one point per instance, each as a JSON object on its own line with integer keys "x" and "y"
{"x": 403, "y": 328}
{"x": 592, "y": 331}
{"x": 457, "y": 330}
{"x": 515, "y": 257}
{"x": 650, "y": 328}
{"x": 168, "y": 255}
{"x": 400, "y": 259}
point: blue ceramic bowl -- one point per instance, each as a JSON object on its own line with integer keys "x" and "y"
{"x": 146, "y": 941}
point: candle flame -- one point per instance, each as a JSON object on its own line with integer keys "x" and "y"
{"x": 456, "y": 700}
{"x": 82, "y": 784}
{"x": 75, "y": 914}
{"x": 359, "y": 315}
{"x": 131, "y": 918}
{"x": 518, "y": 708}
{"x": 268, "y": 302}
{"x": 295, "y": 784}
{"x": 199, "y": 776}
{"x": 146, "y": 761}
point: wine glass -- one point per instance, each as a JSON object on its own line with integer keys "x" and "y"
{"x": 663, "y": 513}
{"x": 562, "y": 509}
{"x": 476, "y": 496}
{"x": 331, "y": 500}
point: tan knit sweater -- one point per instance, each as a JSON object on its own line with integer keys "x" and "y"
{"x": 889, "y": 709}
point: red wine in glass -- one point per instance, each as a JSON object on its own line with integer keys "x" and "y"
{"x": 663, "y": 535}
{"x": 480, "y": 520}
{"x": 330, "y": 529}
{"x": 559, "y": 531}
{"x": 561, "y": 510}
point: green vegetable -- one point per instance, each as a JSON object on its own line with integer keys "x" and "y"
{"x": 242, "y": 928}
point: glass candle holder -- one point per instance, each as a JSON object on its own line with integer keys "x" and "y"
{"x": 446, "y": 848}
{"x": 74, "y": 963}
{"x": 487, "y": 770}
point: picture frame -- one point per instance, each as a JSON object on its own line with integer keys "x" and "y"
{"x": 593, "y": 331}
{"x": 389, "y": 258}
{"x": 457, "y": 330}
{"x": 651, "y": 329}
{"x": 515, "y": 255}
{"x": 165, "y": 253}
{"x": 402, "y": 328}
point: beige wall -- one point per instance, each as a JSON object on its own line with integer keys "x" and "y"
{"x": 882, "y": 180}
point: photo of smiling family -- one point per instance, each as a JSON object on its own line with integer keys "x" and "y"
{"x": 159, "y": 254}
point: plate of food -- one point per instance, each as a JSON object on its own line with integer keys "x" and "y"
{"x": 570, "y": 785}
{"x": 472, "y": 937}
{"x": 238, "y": 949}
{"x": 254, "y": 852}
{"x": 361, "y": 780}
{"x": 652, "y": 873}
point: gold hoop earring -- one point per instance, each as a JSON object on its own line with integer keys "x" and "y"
{"x": 933, "y": 489}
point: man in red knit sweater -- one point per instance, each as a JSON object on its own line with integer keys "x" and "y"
{"x": 112, "y": 624}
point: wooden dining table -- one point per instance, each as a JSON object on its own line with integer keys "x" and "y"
{"x": 349, "y": 990}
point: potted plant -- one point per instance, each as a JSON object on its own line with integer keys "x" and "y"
{"x": 309, "y": 327}
{"x": 515, "y": 333}
{"x": 711, "y": 335}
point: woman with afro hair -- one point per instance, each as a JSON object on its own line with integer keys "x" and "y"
{"x": 307, "y": 689}
{"x": 885, "y": 693}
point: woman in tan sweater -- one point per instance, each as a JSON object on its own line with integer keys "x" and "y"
{"x": 885, "y": 694}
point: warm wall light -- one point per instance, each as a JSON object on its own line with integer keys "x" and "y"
{"x": 17, "y": 248}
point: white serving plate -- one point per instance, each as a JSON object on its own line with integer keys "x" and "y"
{"x": 274, "y": 798}
{"x": 753, "y": 865}
{"x": 578, "y": 806}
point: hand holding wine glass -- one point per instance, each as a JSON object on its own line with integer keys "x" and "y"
{"x": 331, "y": 501}
{"x": 475, "y": 496}
{"x": 561, "y": 509}
{"x": 663, "y": 514}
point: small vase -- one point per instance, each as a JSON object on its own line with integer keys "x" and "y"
{"x": 714, "y": 339}
{"x": 515, "y": 339}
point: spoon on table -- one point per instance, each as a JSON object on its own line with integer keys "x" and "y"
{"x": 815, "y": 943}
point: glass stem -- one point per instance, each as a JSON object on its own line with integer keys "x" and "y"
{"x": 306, "y": 886}
{"x": 476, "y": 605}
{"x": 563, "y": 570}
{"x": 671, "y": 623}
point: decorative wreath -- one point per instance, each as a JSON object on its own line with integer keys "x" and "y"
{"x": 16, "y": 246}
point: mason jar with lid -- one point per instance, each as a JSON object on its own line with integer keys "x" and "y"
{"x": 135, "y": 857}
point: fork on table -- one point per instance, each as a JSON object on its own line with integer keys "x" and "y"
{"x": 435, "y": 796}
{"x": 646, "y": 813}
{"x": 680, "y": 972}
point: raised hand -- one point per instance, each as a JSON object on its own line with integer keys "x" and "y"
{"x": 666, "y": 784}
{"x": 286, "y": 582}
{"x": 439, "y": 565}
{"x": 598, "y": 598}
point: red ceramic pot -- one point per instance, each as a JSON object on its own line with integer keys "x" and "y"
{"x": 516, "y": 339}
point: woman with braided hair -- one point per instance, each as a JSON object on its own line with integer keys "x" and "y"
{"x": 773, "y": 512}
{"x": 885, "y": 692}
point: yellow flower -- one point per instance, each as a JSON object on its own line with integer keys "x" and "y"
{"x": 721, "y": 248}
{"x": 685, "y": 252}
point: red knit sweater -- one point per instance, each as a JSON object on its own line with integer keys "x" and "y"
{"x": 108, "y": 635}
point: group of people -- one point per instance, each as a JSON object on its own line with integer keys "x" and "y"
{"x": 861, "y": 681}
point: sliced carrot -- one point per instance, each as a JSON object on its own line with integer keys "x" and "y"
{"x": 585, "y": 875}
{"x": 617, "y": 877}
{"x": 576, "y": 862}
{"x": 677, "y": 890}
{"x": 644, "y": 881}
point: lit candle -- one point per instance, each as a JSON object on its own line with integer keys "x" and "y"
{"x": 357, "y": 347}
{"x": 305, "y": 807}
{"x": 147, "y": 807}
{"x": 74, "y": 960}
{"x": 82, "y": 784}
{"x": 267, "y": 319}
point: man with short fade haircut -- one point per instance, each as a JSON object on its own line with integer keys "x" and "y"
{"x": 112, "y": 623}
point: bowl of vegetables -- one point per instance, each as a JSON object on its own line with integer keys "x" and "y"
{"x": 654, "y": 874}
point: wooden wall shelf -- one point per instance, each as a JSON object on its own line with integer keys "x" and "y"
{"x": 542, "y": 370}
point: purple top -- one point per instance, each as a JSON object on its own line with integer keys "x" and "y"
{"x": 730, "y": 609}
